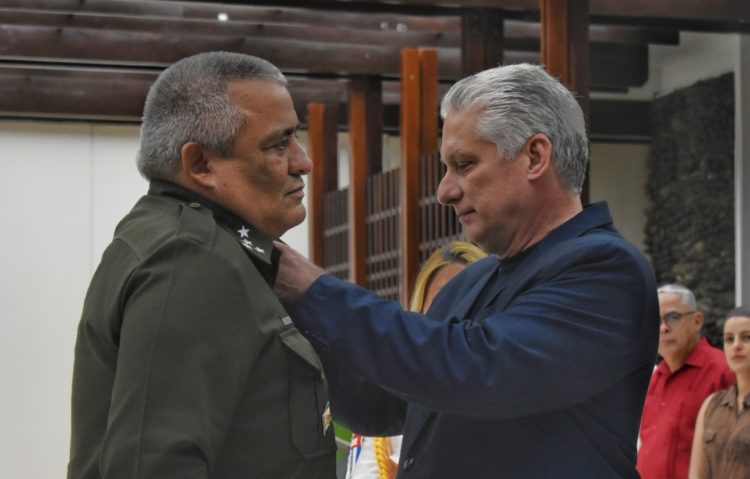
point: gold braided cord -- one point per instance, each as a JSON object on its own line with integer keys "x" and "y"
{"x": 386, "y": 467}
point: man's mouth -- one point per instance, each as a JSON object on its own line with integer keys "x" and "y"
{"x": 297, "y": 192}
{"x": 464, "y": 215}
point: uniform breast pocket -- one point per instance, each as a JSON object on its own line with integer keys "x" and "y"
{"x": 311, "y": 428}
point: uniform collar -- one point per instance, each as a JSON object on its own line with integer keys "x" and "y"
{"x": 252, "y": 240}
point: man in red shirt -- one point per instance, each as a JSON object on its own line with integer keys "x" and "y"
{"x": 691, "y": 370}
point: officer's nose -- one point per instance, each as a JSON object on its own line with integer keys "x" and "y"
{"x": 299, "y": 162}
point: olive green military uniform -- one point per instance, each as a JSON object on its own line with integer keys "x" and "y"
{"x": 186, "y": 365}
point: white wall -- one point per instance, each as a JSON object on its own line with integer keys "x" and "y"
{"x": 63, "y": 188}
{"x": 618, "y": 175}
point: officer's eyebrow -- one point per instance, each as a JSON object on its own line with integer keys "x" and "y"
{"x": 280, "y": 135}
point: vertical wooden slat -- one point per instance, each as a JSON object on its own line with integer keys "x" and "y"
{"x": 481, "y": 39}
{"x": 360, "y": 105}
{"x": 429, "y": 74}
{"x": 323, "y": 140}
{"x": 397, "y": 235}
{"x": 565, "y": 50}
{"x": 411, "y": 112}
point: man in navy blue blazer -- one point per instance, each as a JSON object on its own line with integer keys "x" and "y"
{"x": 532, "y": 363}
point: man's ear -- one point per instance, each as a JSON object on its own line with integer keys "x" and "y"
{"x": 698, "y": 317}
{"x": 195, "y": 164}
{"x": 539, "y": 151}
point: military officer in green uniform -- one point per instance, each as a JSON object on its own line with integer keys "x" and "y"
{"x": 186, "y": 364}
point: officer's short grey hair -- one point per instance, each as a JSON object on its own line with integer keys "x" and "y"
{"x": 685, "y": 294}
{"x": 189, "y": 101}
{"x": 519, "y": 101}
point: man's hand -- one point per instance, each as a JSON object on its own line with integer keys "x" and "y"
{"x": 296, "y": 274}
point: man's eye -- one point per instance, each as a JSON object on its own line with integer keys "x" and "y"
{"x": 282, "y": 145}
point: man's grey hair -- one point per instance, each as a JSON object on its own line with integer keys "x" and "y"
{"x": 685, "y": 294}
{"x": 519, "y": 101}
{"x": 189, "y": 101}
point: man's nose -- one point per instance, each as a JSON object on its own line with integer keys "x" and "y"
{"x": 663, "y": 326}
{"x": 299, "y": 162}
{"x": 448, "y": 192}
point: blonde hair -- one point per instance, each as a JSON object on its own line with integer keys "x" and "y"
{"x": 455, "y": 252}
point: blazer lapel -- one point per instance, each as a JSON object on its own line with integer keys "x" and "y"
{"x": 468, "y": 299}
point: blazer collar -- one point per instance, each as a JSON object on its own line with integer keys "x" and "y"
{"x": 594, "y": 215}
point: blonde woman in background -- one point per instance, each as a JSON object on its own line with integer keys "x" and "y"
{"x": 377, "y": 457}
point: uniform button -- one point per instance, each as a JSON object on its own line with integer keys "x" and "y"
{"x": 194, "y": 205}
{"x": 408, "y": 464}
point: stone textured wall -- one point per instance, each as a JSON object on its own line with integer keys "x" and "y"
{"x": 690, "y": 225}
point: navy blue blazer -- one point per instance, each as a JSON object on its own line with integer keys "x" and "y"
{"x": 532, "y": 367}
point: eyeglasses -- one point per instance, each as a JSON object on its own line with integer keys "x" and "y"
{"x": 670, "y": 319}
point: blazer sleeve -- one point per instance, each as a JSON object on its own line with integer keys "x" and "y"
{"x": 584, "y": 321}
{"x": 362, "y": 406}
{"x": 186, "y": 347}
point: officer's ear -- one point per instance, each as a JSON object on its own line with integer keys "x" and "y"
{"x": 195, "y": 164}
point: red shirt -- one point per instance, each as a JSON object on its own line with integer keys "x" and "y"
{"x": 672, "y": 405}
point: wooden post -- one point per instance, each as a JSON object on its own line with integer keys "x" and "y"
{"x": 323, "y": 139}
{"x": 411, "y": 133}
{"x": 430, "y": 97}
{"x": 419, "y": 136}
{"x": 365, "y": 135}
{"x": 565, "y": 50}
{"x": 481, "y": 39}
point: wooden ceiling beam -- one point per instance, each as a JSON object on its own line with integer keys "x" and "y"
{"x": 517, "y": 29}
{"x": 613, "y": 67}
{"x": 73, "y": 93}
{"x": 519, "y": 35}
{"x": 336, "y": 17}
{"x": 92, "y": 46}
{"x": 718, "y": 15}
{"x": 106, "y": 94}
{"x": 247, "y": 29}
